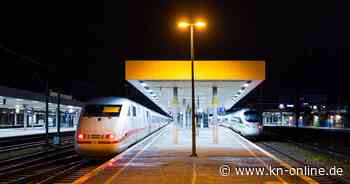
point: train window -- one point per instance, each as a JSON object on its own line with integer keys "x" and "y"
{"x": 102, "y": 110}
{"x": 237, "y": 120}
{"x": 133, "y": 111}
{"x": 252, "y": 116}
{"x": 129, "y": 111}
{"x": 147, "y": 115}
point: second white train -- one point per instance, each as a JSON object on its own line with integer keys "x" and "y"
{"x": 247, "y": 122}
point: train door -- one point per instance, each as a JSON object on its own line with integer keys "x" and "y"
{"x": 148, "y": 121}
{"x": 144, "y": 122}
{"x": 139, "y": 122}
{"x": 125, "y": 125}
{"x": 133, "y": 120}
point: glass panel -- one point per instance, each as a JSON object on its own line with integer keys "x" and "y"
{"x": 252, "y": 116}
{"x": 102, "y": 110}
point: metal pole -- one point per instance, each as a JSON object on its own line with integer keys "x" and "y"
{"x": 59, "y": 118}
{"x": 47, "y": 111}
{"x": 194, "y": 152}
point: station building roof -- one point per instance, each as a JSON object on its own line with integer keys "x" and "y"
{"x": 11, "y": 97}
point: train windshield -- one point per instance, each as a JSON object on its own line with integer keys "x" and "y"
{"x": 252, "y": 116}
{"x": 102, "y": 110}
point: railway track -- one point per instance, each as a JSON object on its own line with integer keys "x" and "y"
{"x": 299, "y": 162}
{"x": 314, "y": 147}
{"x": 72, "y": 174}
{"x": 57, "y": 164}
{"x": 25, "y": 142}
{"x": 32, "y": 167}
{"x": 24, "y": 166}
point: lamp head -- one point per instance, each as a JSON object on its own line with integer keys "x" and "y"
{"x": 183, "y": 24}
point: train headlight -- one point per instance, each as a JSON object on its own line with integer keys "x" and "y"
{"x": 80, "y": 136}
{"x": 110, "y": 136}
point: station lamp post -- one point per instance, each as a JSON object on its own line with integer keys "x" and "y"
{"x": 185, "y": 25}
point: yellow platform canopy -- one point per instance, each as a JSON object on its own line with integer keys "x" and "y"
{"x": 232, "y": 80}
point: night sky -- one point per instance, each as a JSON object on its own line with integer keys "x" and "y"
{"x": 83, "y": 45}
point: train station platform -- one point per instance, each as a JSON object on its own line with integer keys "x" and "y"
{"x": 15, "y": 132}
{"x": 165, "y": 158}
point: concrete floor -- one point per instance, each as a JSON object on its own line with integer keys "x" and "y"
{"x": 165, "y": 158}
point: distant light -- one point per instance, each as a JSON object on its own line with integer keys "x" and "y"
{"x": 281, "y": 106}
{"x": 337, "y": 117}
{"x": 17, "y": 108}
{"x": 183, "y": 24}
{"x": 316, "y": 118}
{"x": 331, "y": 116}
{"x": 290, "y": 105}
{"x": 300, "y": 118}
{"x": 314, "y": 107}
{"x": 290, "y": 118}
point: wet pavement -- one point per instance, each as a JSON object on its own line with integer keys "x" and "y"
{"x": 165, "y": 158}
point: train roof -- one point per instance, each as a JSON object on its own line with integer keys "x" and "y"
{"x": 108, "y": 100}
{"x": 240, "y": 110}
{"x": 111, "y": 100}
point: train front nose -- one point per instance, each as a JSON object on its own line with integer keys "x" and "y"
{"x": 96, "y": 145}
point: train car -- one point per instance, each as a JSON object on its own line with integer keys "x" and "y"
{"x": 109, "y": 125}
{"x": 247, "y": 122}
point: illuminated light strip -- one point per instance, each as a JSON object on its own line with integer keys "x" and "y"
{"x": 94, "y": 172}
{"x": 284, "y": 164}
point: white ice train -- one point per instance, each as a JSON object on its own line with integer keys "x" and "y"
{"x": 109, "y": 125}
{"x": 247, "y": 122}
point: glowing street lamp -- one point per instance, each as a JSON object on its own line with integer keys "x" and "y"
{"x": 182, "y": 25}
